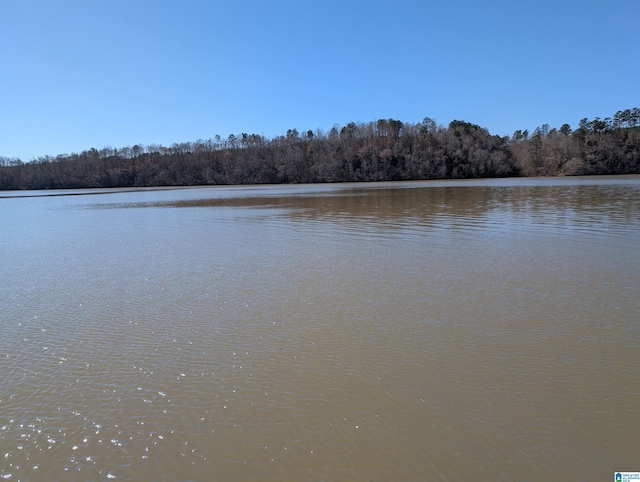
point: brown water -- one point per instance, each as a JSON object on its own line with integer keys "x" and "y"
{"x": 485, "y": 330}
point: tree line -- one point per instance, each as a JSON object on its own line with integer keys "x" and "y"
{"x": 382, "y": 150}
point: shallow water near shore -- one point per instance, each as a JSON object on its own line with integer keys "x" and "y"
{"x": 382, "y": 331}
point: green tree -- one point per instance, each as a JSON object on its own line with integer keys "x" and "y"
{"x": 565, "y": 129}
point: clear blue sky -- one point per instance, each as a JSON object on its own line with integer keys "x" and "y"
{"x": 76, "y": 74}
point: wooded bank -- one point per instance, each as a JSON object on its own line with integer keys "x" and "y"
{"x": 383, "y": 150}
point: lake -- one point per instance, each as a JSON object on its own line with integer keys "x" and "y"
{"x": 437, "y": 330}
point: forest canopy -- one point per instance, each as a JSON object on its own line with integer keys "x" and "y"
{"x": 382, "y": 150}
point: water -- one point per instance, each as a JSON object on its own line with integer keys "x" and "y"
{"x": 395, "y": 331}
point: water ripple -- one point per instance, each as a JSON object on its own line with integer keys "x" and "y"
{"x": 333, "y": 333}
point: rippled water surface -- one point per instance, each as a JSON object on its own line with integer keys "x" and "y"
{"x": 485, "y": 330}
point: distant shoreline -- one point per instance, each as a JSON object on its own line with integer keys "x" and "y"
{"x": 385, "y": 150}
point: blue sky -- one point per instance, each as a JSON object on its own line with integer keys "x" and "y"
{"x": 77, "y": 74}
